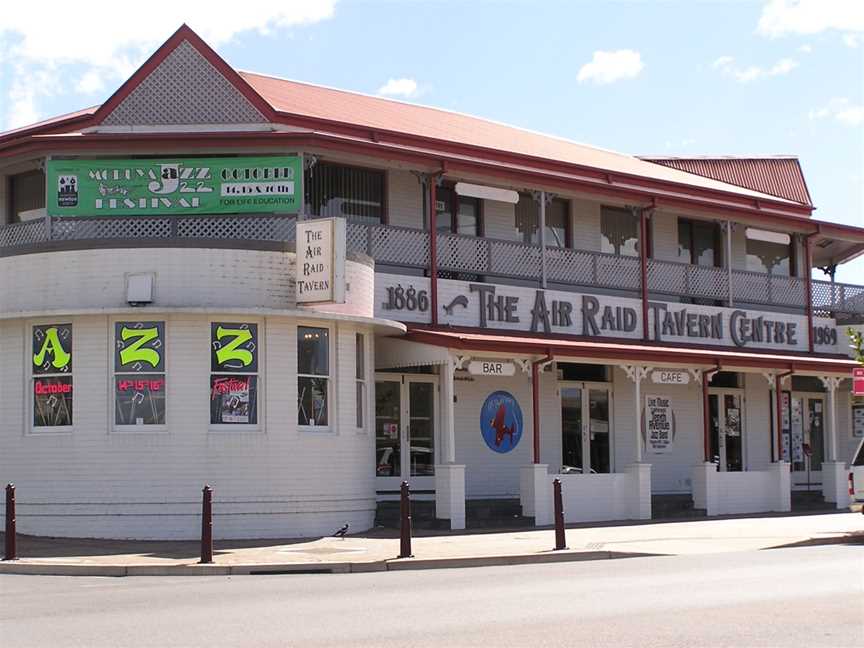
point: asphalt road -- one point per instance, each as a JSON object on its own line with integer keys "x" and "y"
{"x": 810, "y": 597}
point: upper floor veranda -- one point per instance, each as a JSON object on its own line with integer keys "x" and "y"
{"x": 433, "y": 195}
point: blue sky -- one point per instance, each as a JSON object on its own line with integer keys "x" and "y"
{"x": 687, "y": 78}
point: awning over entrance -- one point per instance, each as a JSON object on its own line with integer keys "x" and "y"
{"x": 630, "y": 353}
{"x": 396, "y": 353}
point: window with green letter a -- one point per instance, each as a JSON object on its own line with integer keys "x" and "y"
{"x": 139, "y": 373}
{"x": 51, "y": 370}
{"x": 234, "y": 350}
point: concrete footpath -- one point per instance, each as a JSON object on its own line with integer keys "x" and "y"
{"x": 377, "y": 550}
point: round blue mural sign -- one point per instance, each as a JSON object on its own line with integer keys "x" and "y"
{"x": 501, "y": 421}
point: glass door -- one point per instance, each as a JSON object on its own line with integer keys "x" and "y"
{"x": 405, "y": 431}
{"x": 421, "y": 429}
{"x": 585, "y": 429}
{"x": 805, "y": 437}
{"x": 727, "y": 430}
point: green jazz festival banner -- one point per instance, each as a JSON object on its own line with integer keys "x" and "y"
{"x": 174, "y": 186}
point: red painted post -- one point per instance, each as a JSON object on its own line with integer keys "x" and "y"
{"x": 643, "y": 268}
{"x": 433, "y": 248}
{"x": 808, "y": 285}
{"x": 560, "y": 541}
{"x": 535, "y": 409}
{"x": 11, "y": 549}
{"x": 405, "y": 518}
{"x": 207, "y": 525}
{"x": 706, "y": 417}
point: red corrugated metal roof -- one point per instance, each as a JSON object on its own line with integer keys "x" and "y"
{"x": 319, "y": 102}
{"x": 779, "y": 176}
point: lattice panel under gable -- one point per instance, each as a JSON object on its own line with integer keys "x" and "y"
{"x": 184, "y": 89}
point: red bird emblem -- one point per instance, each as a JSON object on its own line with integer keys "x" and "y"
{"x": 501, "y": 430}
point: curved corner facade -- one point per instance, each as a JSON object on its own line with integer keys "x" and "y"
{"x": 132, "y": 452}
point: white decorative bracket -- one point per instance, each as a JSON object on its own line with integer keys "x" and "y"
{"x": 770, "y": 376}
{"x": 461, "y": 361}
{"x": 636, "y": 372}
{"x": 524, "y": 365}
{"x": 831, "y": 383}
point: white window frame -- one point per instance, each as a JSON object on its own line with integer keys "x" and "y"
{"x": 112, "y": 374}
{"x": 331, "y": 376}
{"x": 361, "y": 379}
{"x": 234, "y": 428}
{"x": 30, "y": 426}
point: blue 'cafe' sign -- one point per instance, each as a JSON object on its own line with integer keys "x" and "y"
{"x": 501, "y": 421}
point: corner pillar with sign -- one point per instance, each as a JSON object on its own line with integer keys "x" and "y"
{"x": 834, "y": 487}
{"x": 449, "y": 476}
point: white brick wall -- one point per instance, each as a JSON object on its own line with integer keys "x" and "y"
{"x": 95, "y": 481}
{"x": 185, "y": 277}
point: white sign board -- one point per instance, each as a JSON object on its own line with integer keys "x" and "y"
{"x": 659, "y": 424}
{"x": 491, "y": 368}
{"x": 667, "y": 377}
{"x": 549, "y": 312}
{"x": 321, "y": 261}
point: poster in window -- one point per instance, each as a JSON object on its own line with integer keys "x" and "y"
{"x": 52, "y": 401}
{"x": 233, "y": 347}
{"x": 139, "y": 346}
{"x": 233, "y": 399}
{"x": 139, "y": 399}
{"x": 659, "y": 424}
{"x": 858, "y": 421}
{"x": 52, "y": 349}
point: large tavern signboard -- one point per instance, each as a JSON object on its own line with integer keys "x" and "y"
{"x": 491, "y": 306}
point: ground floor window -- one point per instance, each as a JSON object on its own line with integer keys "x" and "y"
{"x": 234, "y": 382}
{"x": 139, "y": 373}
{"x": 313, "y": 376}
{"x": 51, "y": 375}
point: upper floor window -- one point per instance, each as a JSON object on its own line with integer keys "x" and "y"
{"x": 698, "y": 242}
{"x": 351, "y": 192}
{"x": 457, "y": 214}
{"x": 557, "y": 221}
{"x": 619, "y": 231}
{"x": 26, "y": 195}
{"x": 770, "y": 252}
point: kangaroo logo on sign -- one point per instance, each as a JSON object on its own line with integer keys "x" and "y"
{"x": 501, "y": 422}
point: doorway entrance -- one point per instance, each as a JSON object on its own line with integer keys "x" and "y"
{"x": 804, "y": 438}
{"x": 585, "y": 428}
{"x": 406, "y": 429}
{"x": 727, "y": 429}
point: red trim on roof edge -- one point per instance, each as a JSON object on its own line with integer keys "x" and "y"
{"x": 171, "y": 141}
{"x": 625, "y": 350}
{"x": 184, "y": 33}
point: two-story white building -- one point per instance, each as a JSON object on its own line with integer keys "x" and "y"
{"x": 510, "y": 308}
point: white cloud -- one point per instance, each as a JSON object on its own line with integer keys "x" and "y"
{"x": 608, "y": 67}
{"x": 100, "y": 48}
{"x": 842, "y": 110}
{"x": 805, "y": 49}
{"x": 852, "y": 40}
{"x": 801, "y": 17}
{"x": 750, "y": 73}
{"x": 399, "y": 88}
